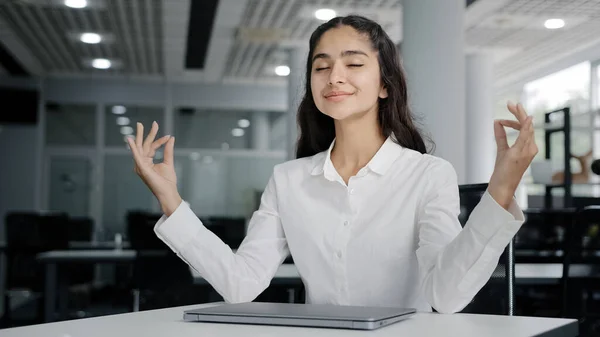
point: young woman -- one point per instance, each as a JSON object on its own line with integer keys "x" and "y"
{"x": 368, "y": 216}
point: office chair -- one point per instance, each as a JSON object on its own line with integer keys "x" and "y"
{"x": 497, "y": 296}
{"x": 583, "y": 249}
{"x": 27, "y": 234}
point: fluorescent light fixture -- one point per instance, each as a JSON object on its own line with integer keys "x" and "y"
{"x": 101, "y": 63}
{"x": 126, "y": 130}
{"x": 122, "y": 121}
{"x": 554, "y": 23}
{"x": 237, "y": 132}
{"x": 325, "y": 14}
{"x": 119, "y": 110}
{"x": 282, "y": 70}
{"x": 91, "y": 38}
{"x": 243, "y": 123}
{"x": 194, "y": 156}
{"x": 76, "y": 3}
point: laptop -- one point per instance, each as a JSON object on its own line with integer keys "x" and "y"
{"x": 308, "y": 315}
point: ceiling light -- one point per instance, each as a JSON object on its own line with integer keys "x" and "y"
{"x": 126, "y": 130}
{"x": 194, "y": 156}
{"x": 243, "y": 123}
{"x": 119, "y": 110}
{"x": 122, "y": 121}
{"x": 282, "y": 70}
{"x": 554, "y": 23}
{"x": 237, "y": 132}
{"x": 76, "y": 3}
{"x": 92, "y": 38}
{"x": 101, "y": 63}
{"x": 207, "y": 160}
{"x": 325, "y": 14}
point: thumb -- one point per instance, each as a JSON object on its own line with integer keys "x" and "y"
{"x": 500, "y": 134}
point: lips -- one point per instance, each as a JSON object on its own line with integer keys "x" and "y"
{"x": 337, "y": 94}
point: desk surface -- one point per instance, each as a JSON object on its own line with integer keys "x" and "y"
{"x": 169, "y": 322}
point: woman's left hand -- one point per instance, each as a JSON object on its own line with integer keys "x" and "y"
{"x": 512, "y": 162}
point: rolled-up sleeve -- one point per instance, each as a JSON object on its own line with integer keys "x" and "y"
{"x": 454, "y": 262}
{"x": 239, "y": 276}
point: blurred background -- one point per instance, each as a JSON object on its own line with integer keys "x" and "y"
{"x": 224, "y": 77}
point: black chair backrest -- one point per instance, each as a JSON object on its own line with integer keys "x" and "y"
{"x": 496, "y": 297}
{"x": 584, "y": 237}
{"x": 231, "y": 230}
{"x": 28, "y": 234}
{"x": 81, "y": 229}
{"x": 544, "y": 232}
{"x": 140, "y": 231}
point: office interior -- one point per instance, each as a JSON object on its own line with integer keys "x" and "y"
{"x": 224, "y": 77}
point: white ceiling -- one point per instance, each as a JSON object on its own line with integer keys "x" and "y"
{"x": 148, "y": 37}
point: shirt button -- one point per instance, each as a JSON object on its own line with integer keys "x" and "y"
{"x": 346, "y": 223}
{"x": 339, "y": 255}
{"x": 351, "y": 191}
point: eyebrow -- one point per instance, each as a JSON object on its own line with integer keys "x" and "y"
{"x": 343, "y": 54}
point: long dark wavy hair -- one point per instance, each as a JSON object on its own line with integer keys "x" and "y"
{"x": 317, "y": 130}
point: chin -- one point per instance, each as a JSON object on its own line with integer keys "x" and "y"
{"x": 341, "y": 115}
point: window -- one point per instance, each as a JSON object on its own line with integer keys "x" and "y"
{"x": 569, "y": 87}
{"x": 120, "y": 121}
{"x": 70, "y": 124}
{"x": 212, "y": 129}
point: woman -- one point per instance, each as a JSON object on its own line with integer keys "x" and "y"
{"x": 368, "y": 216}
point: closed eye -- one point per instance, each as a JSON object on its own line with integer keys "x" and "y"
{"x": 356, "y": 65}
{"x": 319, "y": 69}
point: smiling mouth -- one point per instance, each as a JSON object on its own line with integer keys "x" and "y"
{"x": 337, "y": 96}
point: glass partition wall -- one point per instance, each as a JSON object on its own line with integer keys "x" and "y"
{"x": 223, "y": 160}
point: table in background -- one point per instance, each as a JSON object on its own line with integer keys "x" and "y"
{"x": 54, "y": 281}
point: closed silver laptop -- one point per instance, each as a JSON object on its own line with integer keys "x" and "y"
{"x": 310, "y": 315}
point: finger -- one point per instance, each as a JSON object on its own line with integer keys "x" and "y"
{"x": 168, "y": 155}
{"x": 525, "y": 133}
{"x": 511, "y": 124}
{"x": 500, "y": 135}
{"x": 159, "y": 142}
{"x": 522, "y": 111}
{"x": 139, "y": 136}
{"x": 530, "y": 133}
{"x": 151, "y": 136}
{"x": 515, "y": 111}
{"x": 136, "y": 153}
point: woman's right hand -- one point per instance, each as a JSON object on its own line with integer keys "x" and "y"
{"x": 160, "y": 178}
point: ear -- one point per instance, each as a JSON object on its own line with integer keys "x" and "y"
{"x": 383, "y": 92}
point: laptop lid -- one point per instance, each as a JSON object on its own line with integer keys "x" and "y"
{"x": 318, "y": 315}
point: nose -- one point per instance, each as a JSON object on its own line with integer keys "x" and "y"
{"x": 337, "y": 74}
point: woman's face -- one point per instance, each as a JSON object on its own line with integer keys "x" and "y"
{"x": 345, "y": 78}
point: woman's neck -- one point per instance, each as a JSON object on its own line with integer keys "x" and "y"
{"x": 357, "y": 141}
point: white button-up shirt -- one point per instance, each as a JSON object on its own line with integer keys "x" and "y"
{"x": 390, "y": 237}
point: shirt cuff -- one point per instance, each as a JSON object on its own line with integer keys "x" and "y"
{"x": 495, "y": 224}
{"x": 178, "y": 229}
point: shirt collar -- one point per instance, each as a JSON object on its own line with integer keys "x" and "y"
{"x": 380, "y": 163}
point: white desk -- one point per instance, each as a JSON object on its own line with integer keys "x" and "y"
{"x": 169, "y": 322}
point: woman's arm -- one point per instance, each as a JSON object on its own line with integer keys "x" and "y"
{"x": 455, "y": 263}
{"x": 240, "y": 276}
